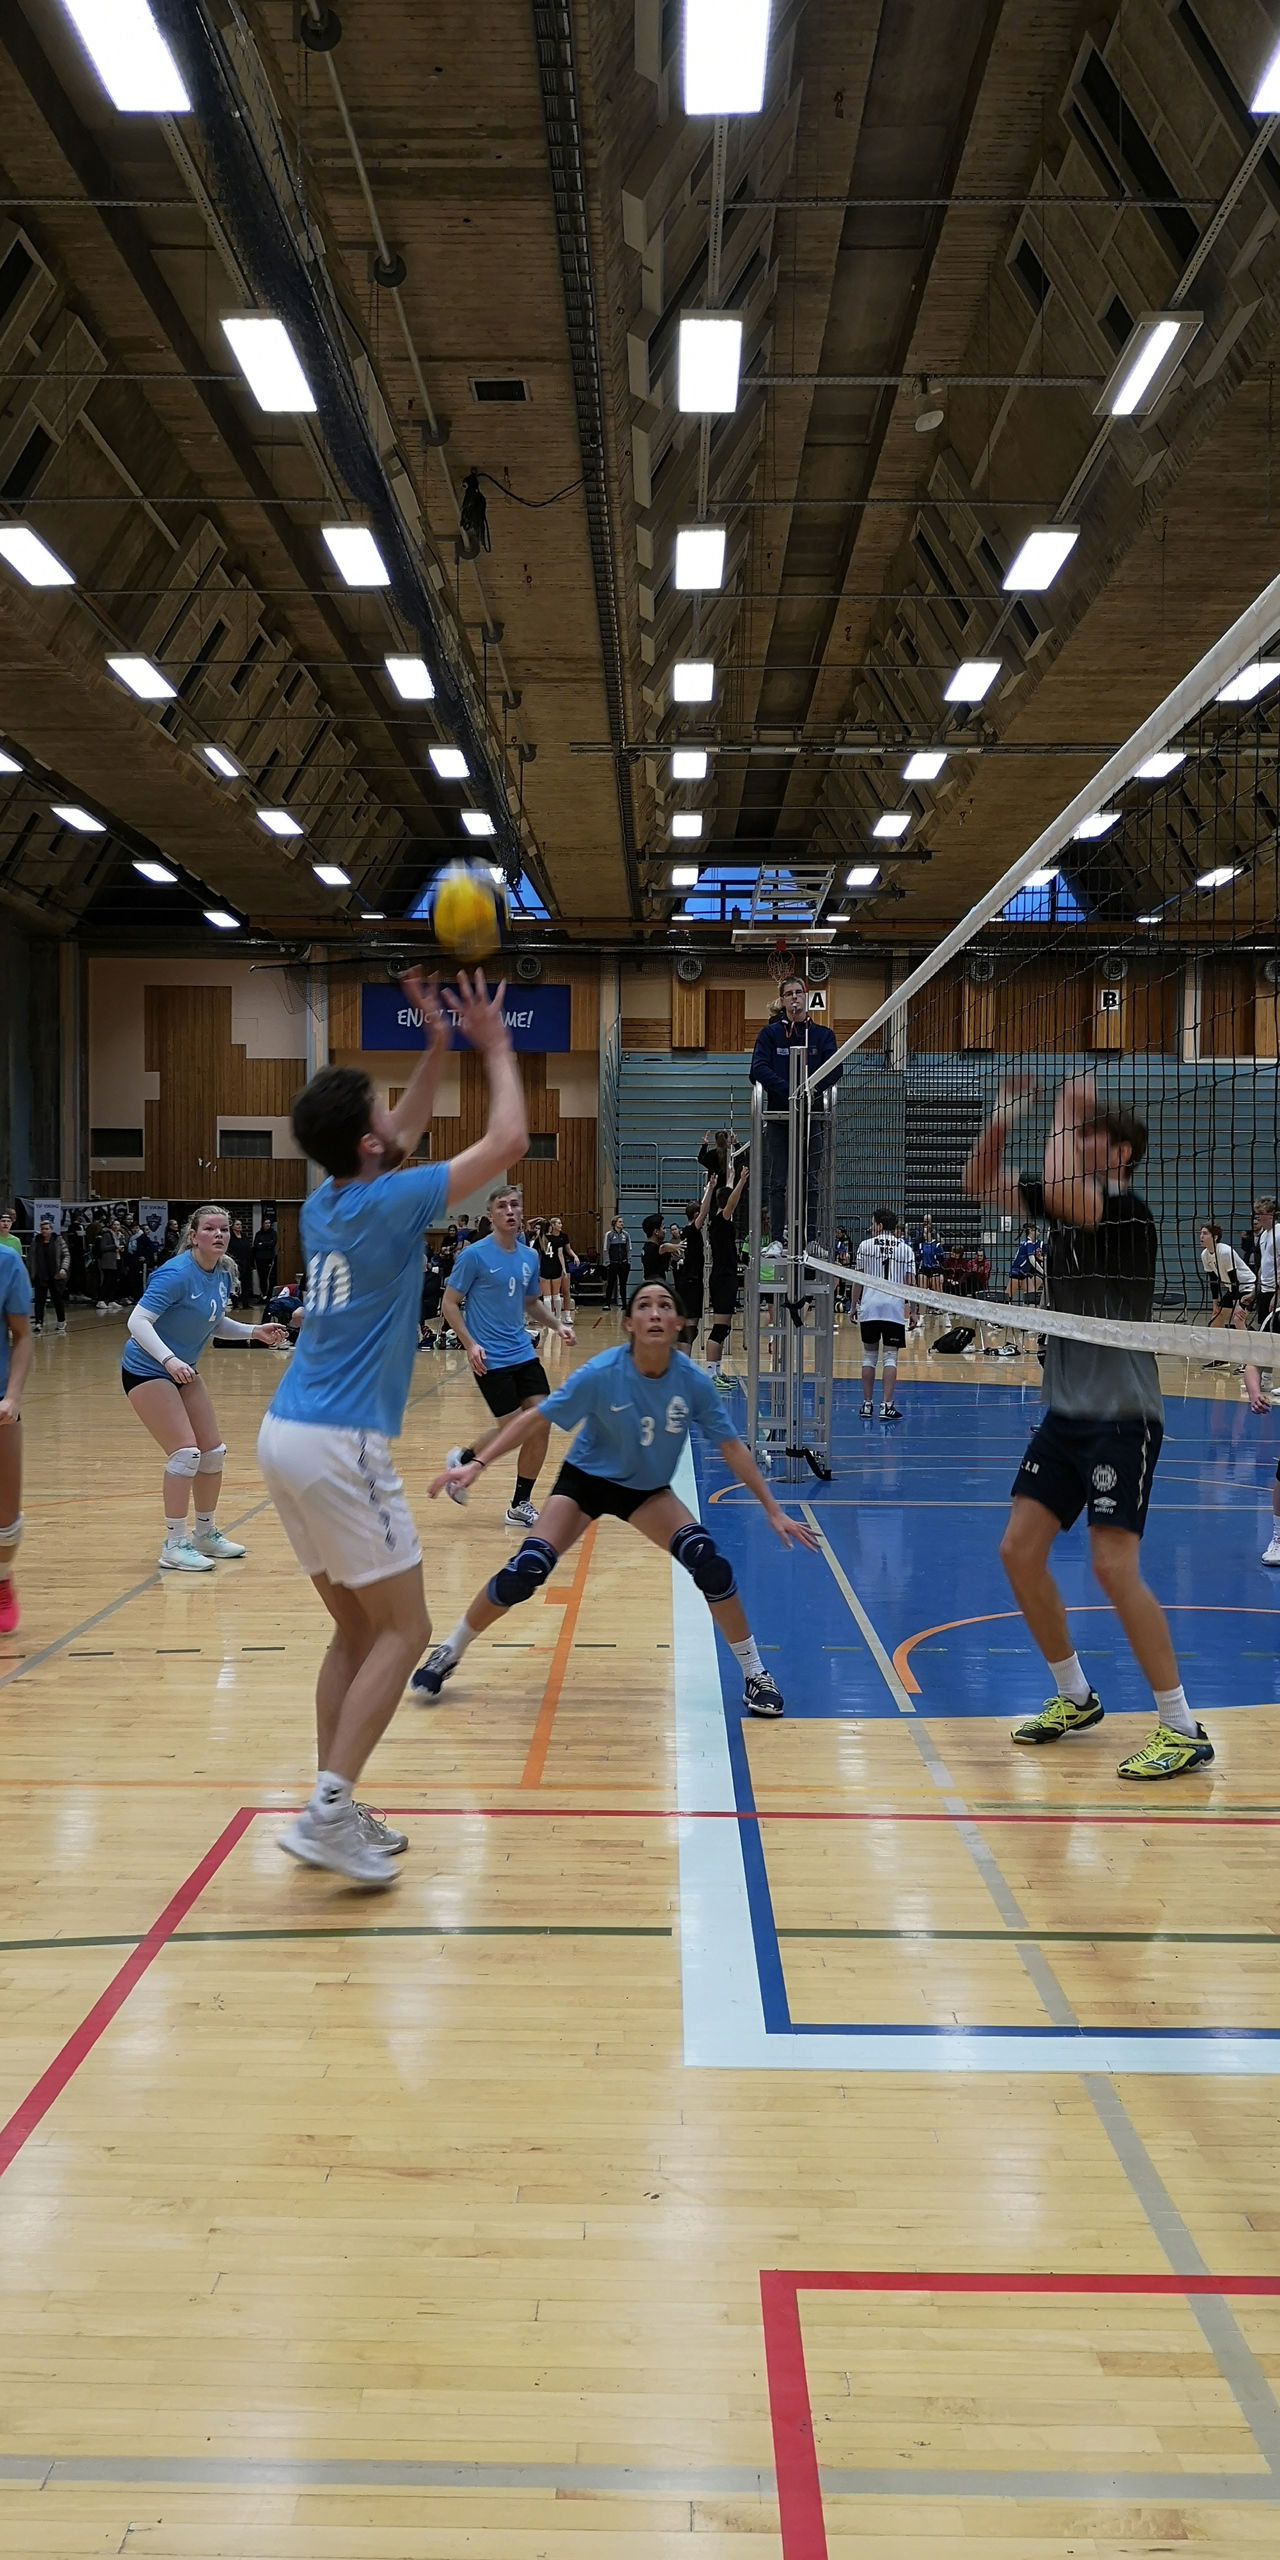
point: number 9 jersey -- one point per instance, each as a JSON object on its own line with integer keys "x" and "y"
{"x": 634, "y": 1428}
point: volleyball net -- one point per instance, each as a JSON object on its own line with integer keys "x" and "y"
{"x": 1129, "y": 962}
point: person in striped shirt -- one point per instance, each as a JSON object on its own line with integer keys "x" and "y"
{"x": 883, "y": 1266}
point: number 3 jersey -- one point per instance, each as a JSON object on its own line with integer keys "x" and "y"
{"x": 634, "y": 1428}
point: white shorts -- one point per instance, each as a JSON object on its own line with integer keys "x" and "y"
{"x": 340, "y": 1499}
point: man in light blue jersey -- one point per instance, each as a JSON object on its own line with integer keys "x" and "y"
{"x": 635, "y": 1404}
{"x": 492, "y": 1297}
{"x": 324, "y": 1447}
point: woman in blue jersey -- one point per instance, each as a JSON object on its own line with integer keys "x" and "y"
{"x": 635, "y": 1403}
{"x": 183, "y": 1307}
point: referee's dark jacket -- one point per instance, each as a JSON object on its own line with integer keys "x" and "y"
{"x": 771, "y": 1056}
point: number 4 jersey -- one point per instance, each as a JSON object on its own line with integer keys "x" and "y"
{"x": 634, "y": 1428}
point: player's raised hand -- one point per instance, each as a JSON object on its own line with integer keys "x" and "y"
{"x": 424, "y": 995}
{"x": 477, "y": 1013}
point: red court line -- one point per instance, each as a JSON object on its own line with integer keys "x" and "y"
{"x": 784, "y": 1813}
{"x": 79, "y": 2045}
{"x": 800, "y": 2513}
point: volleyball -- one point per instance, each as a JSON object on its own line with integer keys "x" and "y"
{"x": 467, "y": 915}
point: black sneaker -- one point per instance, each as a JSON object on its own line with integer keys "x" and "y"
{"x": 868, "y": 1412}
{"x": 429, "y": 1678}
{"x": 890, "y": 1413}
{"x": 761, "y": 1696}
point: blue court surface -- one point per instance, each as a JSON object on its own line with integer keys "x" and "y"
{"x": 907, "y": 1617}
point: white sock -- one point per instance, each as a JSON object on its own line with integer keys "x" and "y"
{"x": 747, "y": 1656}
{"x": 1172, "y": 1709}
{"x": 175, "y": 1532}
{"x": 204, "y": 1522}
{"x": 463, "y": 1635}
{"x": 331, "y": 1795}
{"x": 1070, "y": 1681}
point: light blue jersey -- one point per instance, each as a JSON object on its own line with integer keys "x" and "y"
{"x": 186, "y": 1305}
{"x": 634, "y": 1429}
{"x": 362, "y": 1243}
{"x": 15, "y": 1300}
{"x": 493, "y": 1287}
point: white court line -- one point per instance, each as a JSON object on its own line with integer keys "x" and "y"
{"x": 723, "y": 2009}
{"x": 893, "y": 1682}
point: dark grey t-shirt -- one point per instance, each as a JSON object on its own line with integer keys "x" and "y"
{"x": 1108, "y": 1270}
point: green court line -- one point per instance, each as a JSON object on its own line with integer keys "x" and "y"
{"x": 1063, "y": 1937}
{"x": 223, "y": 1937}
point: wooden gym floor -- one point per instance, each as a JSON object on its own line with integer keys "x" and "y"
{"x": 849, "y": 2138}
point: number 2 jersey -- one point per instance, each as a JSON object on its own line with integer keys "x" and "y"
{"x": 634, "y": 1428}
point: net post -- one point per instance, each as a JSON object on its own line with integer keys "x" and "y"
{"x": 756, "y": 1438}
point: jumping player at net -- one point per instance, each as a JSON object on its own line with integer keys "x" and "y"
{"x": 1096, "y": 1447}
{"x": 883, "y": 1266}
{"x": 182, "y": 1309}
{"x": 635, "y": 1404}
{"x": 325, "y": 1443}
{"x": 492, "y": 1297}
{"x": 17, "y": 1349}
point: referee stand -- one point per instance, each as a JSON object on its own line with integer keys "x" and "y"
{"x": 791, "y": 1308}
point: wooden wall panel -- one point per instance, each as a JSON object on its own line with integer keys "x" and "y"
{"x": 344, "y": 1013}
{"x": 688, "y": 1016}
{"x": 584, "y": 1005}
{"x": 1227, "y": 1013}
{"x": 202, "y": 1072}
{"x": 638, "y": 1033}
{"x": 726, "y": 1019}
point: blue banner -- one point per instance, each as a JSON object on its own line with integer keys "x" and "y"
{"x": 536, "y": 1017}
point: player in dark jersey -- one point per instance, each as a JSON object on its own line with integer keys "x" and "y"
{"x": 724, "y": 1271}
{"x": 1097, "y": 1445}
{"x": 691, "y": 1278}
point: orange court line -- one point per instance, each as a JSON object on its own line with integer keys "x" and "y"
{"x": 531, "y": 1774}
{"x": 1085, "y": 1609}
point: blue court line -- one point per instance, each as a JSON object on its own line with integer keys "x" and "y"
{"x": 764, "y": 1926}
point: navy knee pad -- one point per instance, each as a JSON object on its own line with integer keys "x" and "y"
{"x": 712, "y": 1573}
{"x": 523, "y": 1574}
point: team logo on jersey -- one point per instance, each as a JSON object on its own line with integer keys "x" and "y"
{"x": 328, "y": 1282}
{"x": 1104, "y": 1479}
{"x": 677, "y": 1414}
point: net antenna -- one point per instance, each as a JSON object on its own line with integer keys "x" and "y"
{"x": 1129, "y": 960}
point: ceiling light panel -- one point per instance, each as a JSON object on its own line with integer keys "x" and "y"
{"x": 478, "y": 822}
{"x": 1251, "y": 681}
{"x": 355, "y": 555}
{"x": 225, "y": 923}
{"x": 708, "y": 363}
{"x": 1266, "y": 97}
{"x": 332, "y": 875}
{"x": 1155, "y": 349}
{"x": 450, "y": 763}
{"x": 973, "y": 679}
{"x": 726, "y": 55}
{"x": 9, "y": 764}
{"x": 700, "y": 556}
{"x": 1218, "y": 879}
{"x": 159, "y": 873}
{"x": 411, "y": 678}
{"x": 1156, "y": 768}
{"x": 693, "y": 680}
{"x": 71, "y": 815}
{"x": 130, "y": 56}
{"x": 265, "y": 353}
{"x": 1039, "y": 879}
{"x": 1100, "y": 824}
{"x": 894, "y": 822}
{"x": 687, "y": 822}
{"x": 689, "y": 764}
{"x": 32, "y": 558}
{"x": 685, "y": 875}
{"x": 222, "y": 763}
{"x": 278, "y": 822}
{"x": 1036, "y": 564}
{"x": 143, "y": 679}
{"x": 864, "y": 875}
{"x": 925, "y": 767}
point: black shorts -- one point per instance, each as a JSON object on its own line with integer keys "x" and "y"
{"x": 1104, "y": 1467}
{"x": 505, "y": 1390}
{"x": 724, "y": 1293}
{"x": 893, "y": 1336}
{"x": 128, "y": 1381}
{"x": 599, "y": 1496}
{"x": 689, "y": 1301}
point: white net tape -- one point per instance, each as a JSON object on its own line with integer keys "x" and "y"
{"x": 1172, "y": 1341}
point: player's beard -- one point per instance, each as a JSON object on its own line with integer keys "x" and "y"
{"x": 393, "y": 1157}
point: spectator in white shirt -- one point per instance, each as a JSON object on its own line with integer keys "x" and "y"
{"x": 883, "y": 1266}
{"x": 1264, "y": 1228}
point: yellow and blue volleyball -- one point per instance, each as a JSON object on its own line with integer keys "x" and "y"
{"x": 467, "y": 911}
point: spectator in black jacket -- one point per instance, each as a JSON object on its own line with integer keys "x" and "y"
{"x": 50, "y": 1265}
{"x": 240, "y": 1249}
{"x": 266, "y": 1245}
{"x": 771, "y": 1067}
{"x": 617, "y": 1264}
